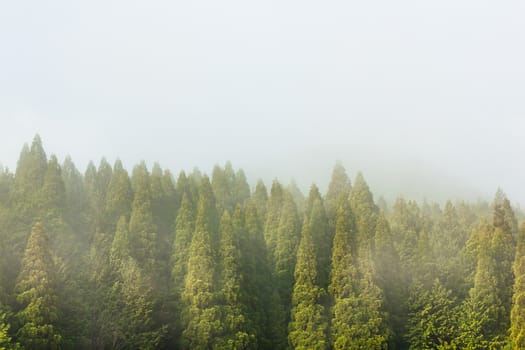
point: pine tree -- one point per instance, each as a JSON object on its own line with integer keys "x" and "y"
{"x": 118, "y": 198}
{"x": 53, "y": 193}
{"x": 241, "y": 188}
{"x": 321, "y": 235}
{"x": 485, "y": 319}
{"x": 235, "y": 332}
{"x": 142, "y": 230}
{"x": 343, "y": 280}
{"x": 517, "y": 316}
{"x": 76, "y": 204}
{"x": 307, "y": 329}
{"x": 199, "y": 295}
{"x": 260, "y": 199}
{"x": 287, "y": 241}
{"x": 431, "y": 323}
{"x": 273, "y": 216}
{"x": 365, "y": 211}
{"x": 36, "y": 293}
{"x": 257, "y": 281}
{"x": 387, "y": 267}
{"x": 338, "y": 188}
{"x": 29, "y": 179}
{"x": 184, "y": 227}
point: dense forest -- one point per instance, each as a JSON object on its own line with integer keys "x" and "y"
{"x": 148, "y": 260}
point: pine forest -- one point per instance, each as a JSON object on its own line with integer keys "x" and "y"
{"x": 141, "y": 258}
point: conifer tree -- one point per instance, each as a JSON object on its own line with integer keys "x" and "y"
{"x": 517, "y": 316}
{"x": 287, "y": 241}
{"x": 307, "y": 329}
{"x": 432, "y": 323}
{"x": 234, "y": 332}
{"x": 52, "y": 195}
{"x": 241, "y": 188}
{"x": 343, "y": 280}
{"x": 29, "y": 179}
{"x": 339, "y": 187}
{"x": 75, "y": 198}
{"x": 321, "y": 235}
{"x": 260, "y": 199}
{"x": 184, "y": 227}
{"x": 273, "y": 215}
{"x": 387, "y": 267}
{"x": 257, "y": 279}
{"x": 36, "y": 293}
{"x": 142, "y": 230}
{"x": 199, "y": 295}
{"x": 119, "y": 197}
{"x": 365, "y": 212}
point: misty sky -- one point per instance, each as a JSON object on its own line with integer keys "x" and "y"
{"x": 425, "y": 97}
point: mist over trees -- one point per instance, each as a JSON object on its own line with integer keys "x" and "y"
{"x": 146, "y": 259}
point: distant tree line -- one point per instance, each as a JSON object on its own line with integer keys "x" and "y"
{"x": 112, "y": 260}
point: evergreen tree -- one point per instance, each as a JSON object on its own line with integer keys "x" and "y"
{"x": 307, "y": 329}
{"x": 235, "y": 332}
{"x": 76, "y": 203}
{"x": 52, "y": 195}
{"x": 118, "y": 198}
{"x": 257, "y": 279}
{"x": 241, "y": 188}
{"x": 184, "y": 227}
{"x": 142, "y": 230}
{"x": 273, "y": 215}
{"x": 387, "y": 267}
{"x": 36, "y": 293}
{"x": 260, "y": 199}
{"x": 338, "y": 188}
{"x": 517, "y": 316}
{"x": 365, "y": 212}
{"x": 431, "y": 323}
{"x": 199, "y": 295}
{"x": 29, "y": 179}
{"x": 321, "y": 235}
{"x": 343, "y": 280}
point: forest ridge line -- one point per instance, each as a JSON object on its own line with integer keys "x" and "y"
{"x": 113, "y": 260}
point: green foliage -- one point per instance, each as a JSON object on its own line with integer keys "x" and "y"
{"x": 201, "y": 313}
{"x": 517, "y": 316}
{"x": 144, "y": 263}
{"x": 338, "y": 188}
{"x": 36, "y": 294}
{"x": 321, "y": 234}
{"x": 307, "y": 329}
{"x": 142, "y": 230}
{"x": 235, "y": 331}
{"x": 432, "y": 322}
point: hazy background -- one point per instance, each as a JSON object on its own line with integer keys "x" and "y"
{"x": 425, "y": 97}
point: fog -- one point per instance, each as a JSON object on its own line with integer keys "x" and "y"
{"x": 425, "y": 98}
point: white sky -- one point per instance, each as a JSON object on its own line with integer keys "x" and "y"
{"x": 425, "y": 97}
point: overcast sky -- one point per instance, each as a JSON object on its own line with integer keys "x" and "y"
{"x": 425, "y": 97}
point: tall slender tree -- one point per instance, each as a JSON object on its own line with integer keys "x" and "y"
{"x": 36, "y": 293}
{"x": 307, "y": 329}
